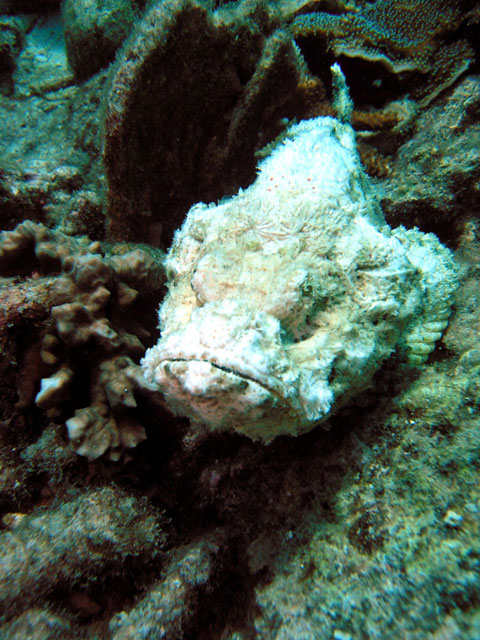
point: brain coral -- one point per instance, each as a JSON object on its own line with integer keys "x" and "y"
{"x": 284, "y": 300}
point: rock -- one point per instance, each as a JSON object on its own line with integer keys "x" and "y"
{"x": 434, "y": 181}
{"x": 94, "y": 30}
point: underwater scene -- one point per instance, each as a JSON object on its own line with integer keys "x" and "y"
{"x": 239, "y": 319}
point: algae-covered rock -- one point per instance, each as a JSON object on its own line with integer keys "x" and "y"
{"x": 94, "y": 29}
{"x": 434, "y": 182}
{"x": 37, "y": 624}
{"x": 101, "y": 525}
{"x": 11, "y": 42}
{"x": 174, "y": 603}
{"x": 28, "y": 6}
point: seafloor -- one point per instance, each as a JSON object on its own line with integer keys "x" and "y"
{"x": 120, "y": 520}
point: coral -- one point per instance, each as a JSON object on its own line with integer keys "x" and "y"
{"x": 377, "y": 120}
{"x": 94, "y": 30}
{"x": 376, "y": 165}
{"x": 413, "y": 36}
{"x": 93, "y": 312}
{"x": 162, "y": 152}
{"x": 25, "y": 304}
{"x": 306, "y": 535}
{"x": 334, "y": 291}
{"x": 368, "y": 530}
{"x": 103, "y": 526}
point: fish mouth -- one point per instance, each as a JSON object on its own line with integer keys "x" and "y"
{"x": 215, "y": 394}
{"x": 263, "y": 376}
{"x": 229, "y": 370}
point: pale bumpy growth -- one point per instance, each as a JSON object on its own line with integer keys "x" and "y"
{"x": 91, "y": 345}
{"x": 285, "y": 299}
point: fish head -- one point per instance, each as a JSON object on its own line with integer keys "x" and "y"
{"x": 228, "y": 368}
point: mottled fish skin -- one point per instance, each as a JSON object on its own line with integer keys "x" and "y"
{"x": 286, "y": 298}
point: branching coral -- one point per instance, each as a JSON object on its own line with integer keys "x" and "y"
{"x": 92, "y": 321}
{"x": 407, "y": 36}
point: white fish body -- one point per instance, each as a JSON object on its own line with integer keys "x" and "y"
{"x": 286, "y": 298}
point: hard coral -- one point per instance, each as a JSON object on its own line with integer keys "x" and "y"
{"x": 406, "y": 36}
{"x": 92, "y": 334}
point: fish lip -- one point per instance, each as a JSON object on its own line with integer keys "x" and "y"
{"x": 244, "y": 376}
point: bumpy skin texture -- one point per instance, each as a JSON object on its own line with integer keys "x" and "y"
{"x": 284, "y": 300}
